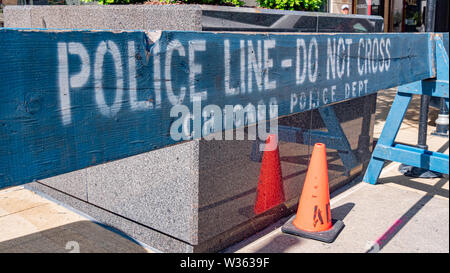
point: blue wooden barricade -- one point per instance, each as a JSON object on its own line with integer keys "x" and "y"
{"x": 70, "y": 99}
{"x": 386, "y": 148}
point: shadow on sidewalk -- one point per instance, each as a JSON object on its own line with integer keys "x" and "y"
{"x": 77, "y": 237}
{"x": 384, "y": 103}
{"x": 282, "y": 242}
{"x": 410, "y": 183}
{"x": 431, "y": 191}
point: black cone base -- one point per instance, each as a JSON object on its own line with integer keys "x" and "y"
{"x": 325, "y": 236}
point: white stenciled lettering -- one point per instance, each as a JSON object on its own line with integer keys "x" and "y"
{"x": 254, "y": 66}
{"x": 63, "y": 80}
{"x": 268, "y": 64}
{"x": 157, "y": 74}
{"x": 300, "y": 74}
{"x": 111, "y": 48}
{"x": 134, "y": 103}
{"x": 76, "y": 81}
{"x": 381, "y": 62}
{"x": 360, "y": 68}
{"x": 331, "y": 58}
{"x": 333, "y": 93}
{"x": 375, "y": 54}
{"x": 367, "y": 66}
{"x": 387, "y": 63}
{"x": 340, "y": 66}
{"x": 195, "y": 68}
{"x": 242, "y": 65}
{"x": 324, "y": 96}
{"x": 336, "y": 61}
{"x": 171, "y": 47}
{"x": 360, "y": 86}
{"x": 347, "y": 90}
{"x": 313, "y": 47}
{"x": 294, "y": 101}
{"x": 80, "y": 79}
{"x": 302, "y": 102}
{"x": 229, "y": 91}
{"x": 348, "y": 43}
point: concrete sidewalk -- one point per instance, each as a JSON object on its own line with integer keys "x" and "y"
{"x": 30, "y": 223}
{"x": 404, "y": 214}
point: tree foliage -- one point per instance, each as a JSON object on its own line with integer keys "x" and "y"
{"x": 305, "y": 5}
{"x": 237, "y": 3}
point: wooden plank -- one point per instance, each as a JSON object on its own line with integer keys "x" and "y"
{"x": 73, "y": 99}
{"x": 413, "y": 156}
{"x": 434, "y": 88}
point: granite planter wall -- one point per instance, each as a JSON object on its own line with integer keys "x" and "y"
{"x": 199, "y": 196}
{"x": 187, "y": 17}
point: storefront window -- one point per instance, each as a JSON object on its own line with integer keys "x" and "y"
{"x": 408, "y": 15}
{"x": 413, "y": 18}
{"x": 370, "y": 7}
{"x": 399, "y": 15}
{"x": 377, "y": 7}
{"x": 362, "y": 7}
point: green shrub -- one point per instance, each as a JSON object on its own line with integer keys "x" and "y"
{"x": 120, "y": 2}
{"x": 305, "y": 5}
{"x": 237, "y": 3}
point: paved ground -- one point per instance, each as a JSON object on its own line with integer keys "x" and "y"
{"x": 402, "y": 214}
{"x": 30, "y": 223}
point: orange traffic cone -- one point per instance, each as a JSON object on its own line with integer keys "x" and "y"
{"x": 270, "y": 185}
{"x": 313, "y": 219}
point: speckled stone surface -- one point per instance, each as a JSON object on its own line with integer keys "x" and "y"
{"x": 73, "y": 183}
{"x": 86, "y": 18}
{"x": 178, "y": 17}
{"x": 147, "y": 235}
{"x": 148, "y": 17}
{"x": 17, "y": 16}
{"x": 44, "y": 17}
{"x": 186, "y": 17}
{"x": 158, "y": 189}
{"x": 121, "y": 17}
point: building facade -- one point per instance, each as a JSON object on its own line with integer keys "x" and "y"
{"x": 403, "y": 15}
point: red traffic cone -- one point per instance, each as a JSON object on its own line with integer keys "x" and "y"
{"x": 270, "y": 185}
